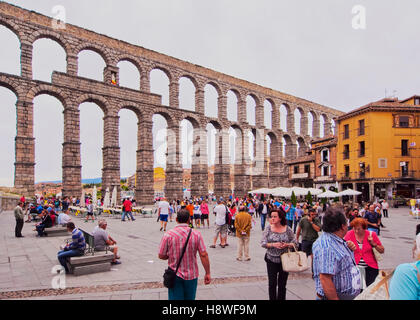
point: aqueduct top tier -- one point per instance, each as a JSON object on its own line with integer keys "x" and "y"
{"x": 73, "y": 90}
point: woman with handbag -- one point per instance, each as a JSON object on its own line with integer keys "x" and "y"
{"x": 366, "y": 242}
{"x": 277, "y": 238}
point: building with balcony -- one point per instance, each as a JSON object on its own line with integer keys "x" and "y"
{"x": 378, "y": 149}
{"x": 325, "y": 153}
{"x": 301, "y": 171}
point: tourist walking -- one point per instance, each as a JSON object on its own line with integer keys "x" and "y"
{"x": 170, "y": 249}
{"x": 373, "y": 219}
{"x": 128, "y": 208}
{"x": 19, "y": 216}
{"x": 204, "y": 208}
{"x": 163, "y": 213}
{"x": 221, "y": 224}
{"x": 335, "y": 269}
{"x": 89, "y": 211}
{"x": 74, "y": 249}
{"x": 277, "y": 238}
{"x": 263, "y": 211}
{"x": 197, "y": 214}
{"x": 385, "y": 207}
{"x": 243, "y": 227}
{"x": 365, "y": 242}
{"x": 309, "y": 226}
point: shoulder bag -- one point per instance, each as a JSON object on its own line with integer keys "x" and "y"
{"x": 378, "y": 256}
{"x": 294, "y": 261}
{"x": 170, "y": 275}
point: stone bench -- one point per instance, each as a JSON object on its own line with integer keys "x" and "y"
{"x": 56, "y": 231}
{"x": 87, "y": 264}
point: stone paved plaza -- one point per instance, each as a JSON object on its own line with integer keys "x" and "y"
{"x": 26, "y": 264}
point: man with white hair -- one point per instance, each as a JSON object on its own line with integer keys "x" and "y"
{"x": 103, "y": 240}
{"x": 163, "y": 213}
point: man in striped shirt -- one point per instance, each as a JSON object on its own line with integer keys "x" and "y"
{"x": 335, "y": 270}
{"x": 74, "y": 249}
{"x": 170, "y": 249}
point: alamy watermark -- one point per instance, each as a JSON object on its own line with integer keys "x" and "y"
{"x": 358, "y": 21}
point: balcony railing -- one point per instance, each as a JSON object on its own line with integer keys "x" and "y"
{"x": 407, "y": 174}
{"x": 354, "y": 175}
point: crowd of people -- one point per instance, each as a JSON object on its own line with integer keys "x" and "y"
{"x": 344, "y": 256}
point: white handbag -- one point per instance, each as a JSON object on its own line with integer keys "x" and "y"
{"x": 296, "y": 261}
{"x": 378, "y": 256}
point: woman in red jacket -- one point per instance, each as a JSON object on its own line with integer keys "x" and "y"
{"x": 365, "y": 241}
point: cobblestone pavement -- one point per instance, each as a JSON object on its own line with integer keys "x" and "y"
{"x": 26, "y": 263}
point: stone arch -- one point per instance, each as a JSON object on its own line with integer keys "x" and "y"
{"x": 188, "y": 87}
{"x": 208, "y": 109}
{"x": 132, "y": 107}
{"x": 268, "y": 121}
{"x": 49, "y": 90}
{"x": 284, "y": 110}
{"x": 170, "y": 120}
{"x": 289, "y": 147}
{"x": 7, "y": 83}
{"x": 54, "y": 36}
{"x": 301, "y": 145}
{"x": 44, "y": 47}
{"x": 194, "y": 121}
{"x": 249, "y": 112}
{"x": 298, "y": 115}
{"x": 165, "y": 70}
{"x": 99, "y": 100}
{"x": 13, "y": 27}
{"x": 95, "y": 48}
{"x": 135, "y": 65}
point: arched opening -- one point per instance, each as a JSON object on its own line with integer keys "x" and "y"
{"x": 128, "y": 143}
{"x": 49, "y": 138}
{"x": 268, "y": 109}
{"x": 322, "y": 126}
{"x": 7, "y": 134}
{"x": 10, "y": 52}
{"x": 186, "y": 94}
{"x": 283, "y": 117}
{"x": 159, "y": 84}
{"x": 211, "y": 153}
{"x": 91, "y": 65}
{"x": 91, "y": 139}
{"x": 210, "y": 101}
{"x": 187, "y": 132}
{"x": 251, "y": 104}
{"x": 232, "y": 106}
{"x": 301, "y": 147}
{"x": 48, "y": 56}
{"x": 298, "y": 117}
{"x": 333, "y": 127}
{"x": 310, "y": 124}
{"x": 129, "y": 75}
{"x": 160, "y": 147}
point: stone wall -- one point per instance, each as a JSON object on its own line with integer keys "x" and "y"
{"x": 8, "y": 203}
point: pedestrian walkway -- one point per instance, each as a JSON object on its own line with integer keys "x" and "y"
{"x": 27, "y": 263}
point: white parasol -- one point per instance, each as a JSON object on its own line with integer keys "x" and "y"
{"x": 328, "y": 194}
{"x": 114, "y": 197}
{"x": 349, "y": 192}
{"x": 106, "y": 199}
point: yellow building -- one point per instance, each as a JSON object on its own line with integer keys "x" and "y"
{"x": 378, "y": 149}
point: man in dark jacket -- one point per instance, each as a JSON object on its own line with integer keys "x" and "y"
{"x": 46, "y": 222}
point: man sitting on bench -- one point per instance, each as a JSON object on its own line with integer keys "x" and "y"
{"x": 74, "y": 249}
{"x": 102, "y": 240}
{"x": 46, "y": 222}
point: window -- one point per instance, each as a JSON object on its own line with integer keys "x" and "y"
{"x": 346, "y": 153}
{"x": 307, "y": 168}
{"x": 404, "y": 147}
{"x": 362, "y": 170}
{"x": 416, "y": 101}
{"x": 326, "y": 171}
{"x": 296, "y": 169}
{"x": 404, "y": 121}
{"x": 404, "y": 169}
{"x": 346, "y": 131}
{"x": 361, "y": 149}
{"x": 361, "y": 127}
{"x": 382, "y": 163}
{"x": 347, "y": 171}
{"x": 325, "y": 156}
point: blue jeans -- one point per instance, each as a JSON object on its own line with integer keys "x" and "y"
{"x": 183, "y": 289}
{"x": 295, "y": 224}
{"x": 64, "y": 254}
{"x": 127, "y": 213}
{"x": 263, "y": 218}
{"x": 40, "y": 229}
{"x": 374, "y": 230}
{"x": 290, "y": 223}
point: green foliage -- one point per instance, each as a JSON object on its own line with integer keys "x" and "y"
{"x": 309, "y": 198}
{"x": 293, "y": 199}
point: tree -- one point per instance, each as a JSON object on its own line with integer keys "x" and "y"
{"x": 309, "y": 198}
{"x": 293, "y": 199}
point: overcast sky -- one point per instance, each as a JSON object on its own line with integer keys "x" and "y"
{"x": 305, "y": 48}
